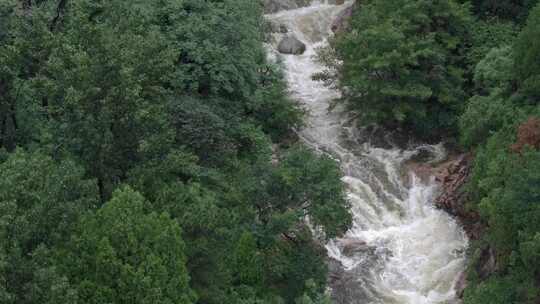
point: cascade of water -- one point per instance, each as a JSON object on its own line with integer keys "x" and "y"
{"x": 400, "y": 249}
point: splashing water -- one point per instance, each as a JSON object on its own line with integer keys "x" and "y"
{"x": 400, "y": 248}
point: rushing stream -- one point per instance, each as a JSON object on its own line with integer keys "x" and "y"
{"x": 400, "y": 248}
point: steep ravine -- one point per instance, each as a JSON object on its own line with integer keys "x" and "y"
{"x": 401, "y": 249}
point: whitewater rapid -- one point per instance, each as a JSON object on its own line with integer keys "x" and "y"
{"x": 400, "y": 249}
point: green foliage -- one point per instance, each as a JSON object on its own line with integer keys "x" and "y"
{"x": 402, "y": 62}
{"x": 21, "y": 57}
{"x": 504, "y": 182}
{"x": 272, "y": 107}
{"x": 310, "y": 185}
{"x": 508, "y": 9}
{"x": 247, "y": 260}
{"x": 220, "y": 46}
{"x": 509, "y": 205}
{"x": 486, "y": 114}
{"x": 492, "y": 71}
{"x": 312, "y": 297}
{"x": 508, "y": 208}
{"x": 41, "y": 202}
{"x": 172, "y": 98}
{"x": 100, "y": 99}
{"x": 487, "y": 34}
{"x": 527, "y": 52}
{"x": 120, "y": 254}
{"x": 256, "y": 212}
{"x": 493, "y": 291}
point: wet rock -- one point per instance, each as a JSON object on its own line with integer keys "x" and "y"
{"x": 427, "y": 162}
{"x": 461, "y": 285}
{"x": 276, "y": 27}
{"x": 341, "y": 23}
{"x": 352, "y": 247}
{"x": 274, "y": 6}
{"x": 275, "y": 155}
{"x": 487, "y": 264}
{"x": 336, "y": 2}
{"x": 421, "y": 170}
{"x": 348, "y": 286}
{"x": 423, "y": 156}
{"x": 381, "y": 137}
{"x": 335, "y": 271}
{"x": 291, "y": 45}
{"x": 528, "y": 135}
{"x": 453, "y": 176}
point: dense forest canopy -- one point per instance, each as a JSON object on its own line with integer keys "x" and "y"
{"x": 146, "y": 152}
{"x": 136, "y": 147}
{"x": 466, "y": 72}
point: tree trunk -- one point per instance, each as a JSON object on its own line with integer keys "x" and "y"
{"x": 59, "y": 12}
{"x": 3, "y": 131}
{"x": 101, "y": 187}
{"x": 289, "y": 238}
{"x": 14, "y": 117}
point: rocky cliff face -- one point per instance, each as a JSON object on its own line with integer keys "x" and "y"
{"x": 342, "y": 21}
{"x": 453, "y": 176}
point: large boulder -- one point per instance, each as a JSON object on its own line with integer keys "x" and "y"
{"x": 291, "y": 45}
{"x": 274, "y": 6}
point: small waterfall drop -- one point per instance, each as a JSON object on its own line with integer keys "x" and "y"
{"x": 400, "y": 249}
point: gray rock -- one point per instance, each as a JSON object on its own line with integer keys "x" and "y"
{"x": 341, "y": 23}
{"x": 276, "y": 27}
{"x": 352, "y": 247}
{"x": 351, "y": 286}
{"x": 291, "y": 45}
{"x": 461, "y": 285}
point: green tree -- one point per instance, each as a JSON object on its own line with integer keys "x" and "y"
{"x": 121, "y": 254}
{"x": 41, "y": 202}
{"x": 312, "y": 296}
{"x": 487, "y": 35}
{"x": 509, "y": 206}
{"x": 25, "y": 44}
{"x": 176, "y": 99}
{"x": 526, "y": 54}
{"x": 402, "y": 63}
{"x": 104, "y": 82}
{"x": 301, "y": 187}
{"x": 248, "y": 260}
{"x": 492, "y": 109}
{"x": 515, "y": 10}
{"x": 493, "y": 291}
{"x": 310, "y": 185}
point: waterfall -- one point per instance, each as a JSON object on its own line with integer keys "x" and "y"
{"x": 400, "y": 249}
